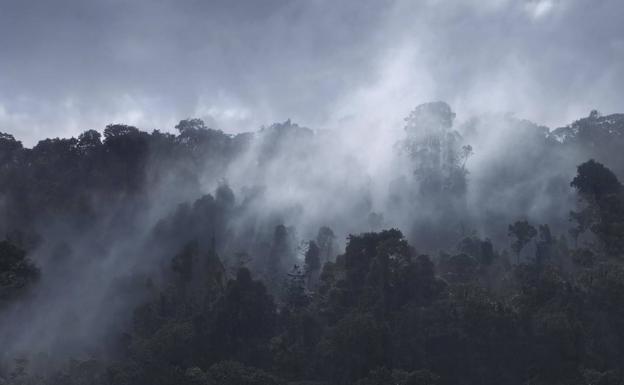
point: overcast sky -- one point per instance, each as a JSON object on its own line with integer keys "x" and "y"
{"x": 71, "y": 65}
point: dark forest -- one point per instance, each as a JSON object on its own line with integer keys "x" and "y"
{"x": 489, "y": 251}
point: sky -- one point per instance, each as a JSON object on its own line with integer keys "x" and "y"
{"x": 67, "y": 66}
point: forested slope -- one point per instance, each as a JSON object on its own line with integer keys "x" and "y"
{"x": 485, "y": 252}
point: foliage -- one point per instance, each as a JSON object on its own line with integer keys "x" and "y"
{"x": 17, "y": 272}
{"x": 377, "y": 312}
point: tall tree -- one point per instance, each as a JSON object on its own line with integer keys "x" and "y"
{"x": 17, "y": 272}
{"x": 522, "y": 232}
{"x": 602, "y": 196}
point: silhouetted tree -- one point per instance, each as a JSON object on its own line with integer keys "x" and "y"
{"x": 17, "y": 272}
{"x": 312, "y": 264}
{"x": 603, "y": 197}
{"x": 325, "y": 241}
{"x": 522, "y": 232}
{"x": 295, "y": 290}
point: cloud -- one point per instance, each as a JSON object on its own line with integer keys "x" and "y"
{"x": 154, "y": 62}
{"x": 539, "y": 8}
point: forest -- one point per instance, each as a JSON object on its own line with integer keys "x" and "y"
{"x": 483, "y": 251}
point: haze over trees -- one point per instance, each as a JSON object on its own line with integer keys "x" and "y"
{"x": 488, "y": 251}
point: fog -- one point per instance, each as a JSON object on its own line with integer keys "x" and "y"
{"x": 285, "y": 174}
{"x": 315, "y": 102}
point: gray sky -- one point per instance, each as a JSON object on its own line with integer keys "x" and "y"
{"x": 71, "y": 65}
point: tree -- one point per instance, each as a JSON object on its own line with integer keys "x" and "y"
{"x": 545, "y": 245}
{"x": 436, "y": 116}
{"x": 435, "y": 150}
{"x": 113, "y": 131}
{"x": 244, "y": 321}
{"x": 231, "y": 373}
{"x": 187, "y": 126}
{"x": 583, "y": 220}
{"x": 594, "y": 181}
{"x": 17, "y": 273}
{"x": 353, "y": 348}
{"x": 482, "y": 250}
{"x": 603, "y": 213}
{"x": 312, "y": 264}
{"x": 182, "y": 263}
{"x": 280, "y": 255}
{"x": 8, "y": 147}
{"x": 523, "y": 232}
{"x": 325, "y": 241}
{"x": 295, "y": 295}
{"x": 89, "y": 139}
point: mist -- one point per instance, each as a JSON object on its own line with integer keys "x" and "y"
{"x": 161, "y": 158}
{"x": 352, "y": 181}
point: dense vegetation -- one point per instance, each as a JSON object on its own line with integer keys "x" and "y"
{"x": 118, "y": 268}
